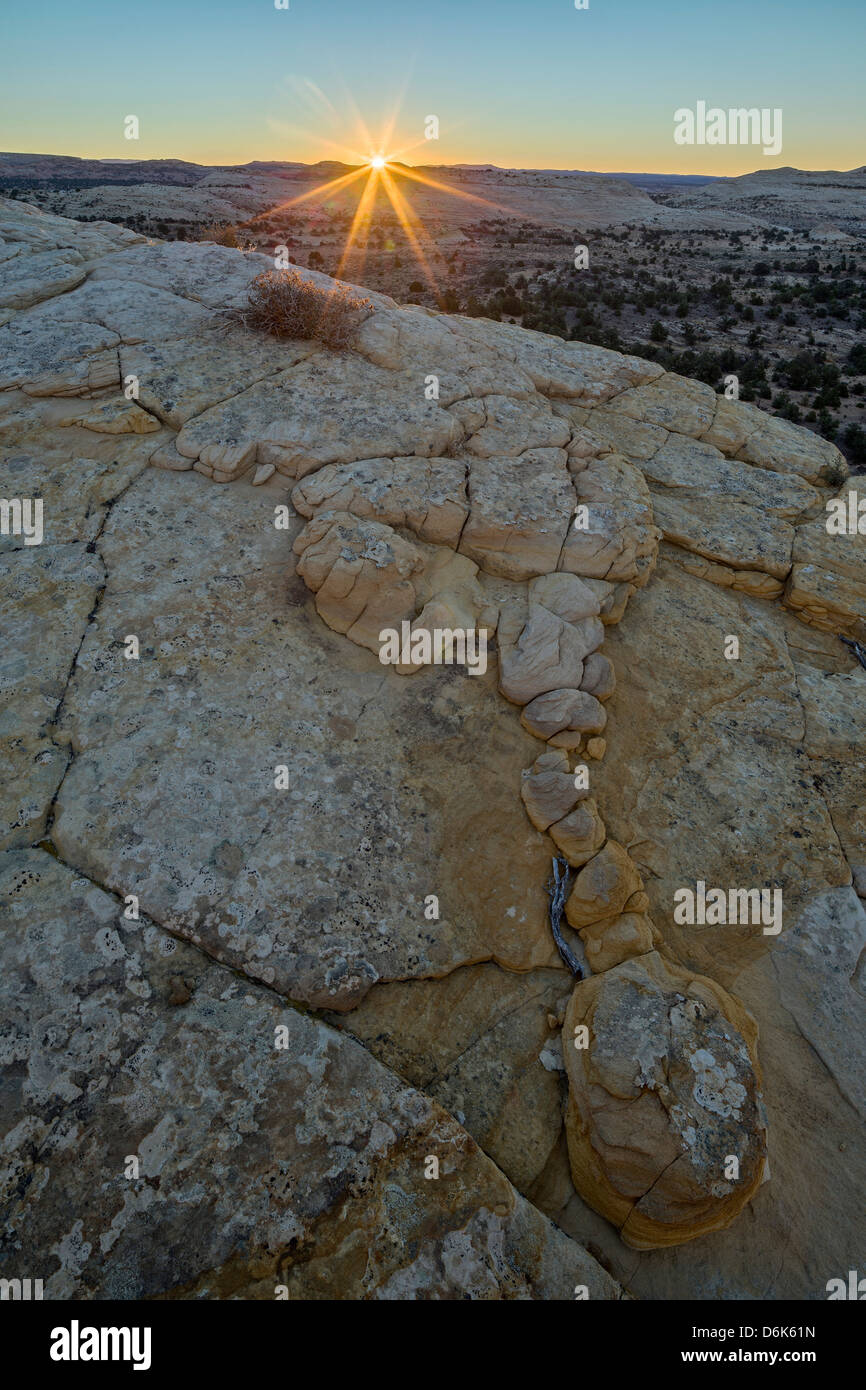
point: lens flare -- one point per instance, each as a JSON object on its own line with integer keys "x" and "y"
{"x": 382, "y": 175}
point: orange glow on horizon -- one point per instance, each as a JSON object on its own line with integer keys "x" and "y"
{"x": 379, "y": 169}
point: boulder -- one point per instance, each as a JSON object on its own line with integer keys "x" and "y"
{"x": 548, "y": 655}
{"x": 361, "y": 574}
{"x": 579, "y": 835}
{"x": 559, "y": 710}
{"x": 604, "y": 887}
{"x": 665, "y": 1120}
{"x": 548, "y": 789}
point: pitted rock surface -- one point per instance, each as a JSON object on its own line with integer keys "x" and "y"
{"x": 271, "y": 1148}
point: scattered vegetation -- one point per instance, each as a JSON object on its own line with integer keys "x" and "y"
{"x": 222, "y": 234}
{"x": 853, "y": 441}
{"x": 778, "y": 308}
{"x": 284, "y": 304}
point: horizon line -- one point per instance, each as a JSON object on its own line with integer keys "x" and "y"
{"x": 461, "y": 164}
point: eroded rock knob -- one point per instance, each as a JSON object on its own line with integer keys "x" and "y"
{"x": 665, "y": 1123}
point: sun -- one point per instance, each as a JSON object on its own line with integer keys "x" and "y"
{"x": 384, "y": 177}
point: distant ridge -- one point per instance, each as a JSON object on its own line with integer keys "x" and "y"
{"x": 62, "y": 170}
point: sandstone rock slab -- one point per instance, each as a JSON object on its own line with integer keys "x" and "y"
{"x": 426, "y": 495}
{"x": 519, "y": 513}
{"x": 270, "y": 1148}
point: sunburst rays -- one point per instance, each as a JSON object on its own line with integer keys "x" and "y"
{"x": 382, "y": 167}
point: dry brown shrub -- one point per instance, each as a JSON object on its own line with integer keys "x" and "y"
{"x": 221, "y": 233}
{"x": 284, "y": 304}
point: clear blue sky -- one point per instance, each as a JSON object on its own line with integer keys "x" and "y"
{"x": 513, "y": 82}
